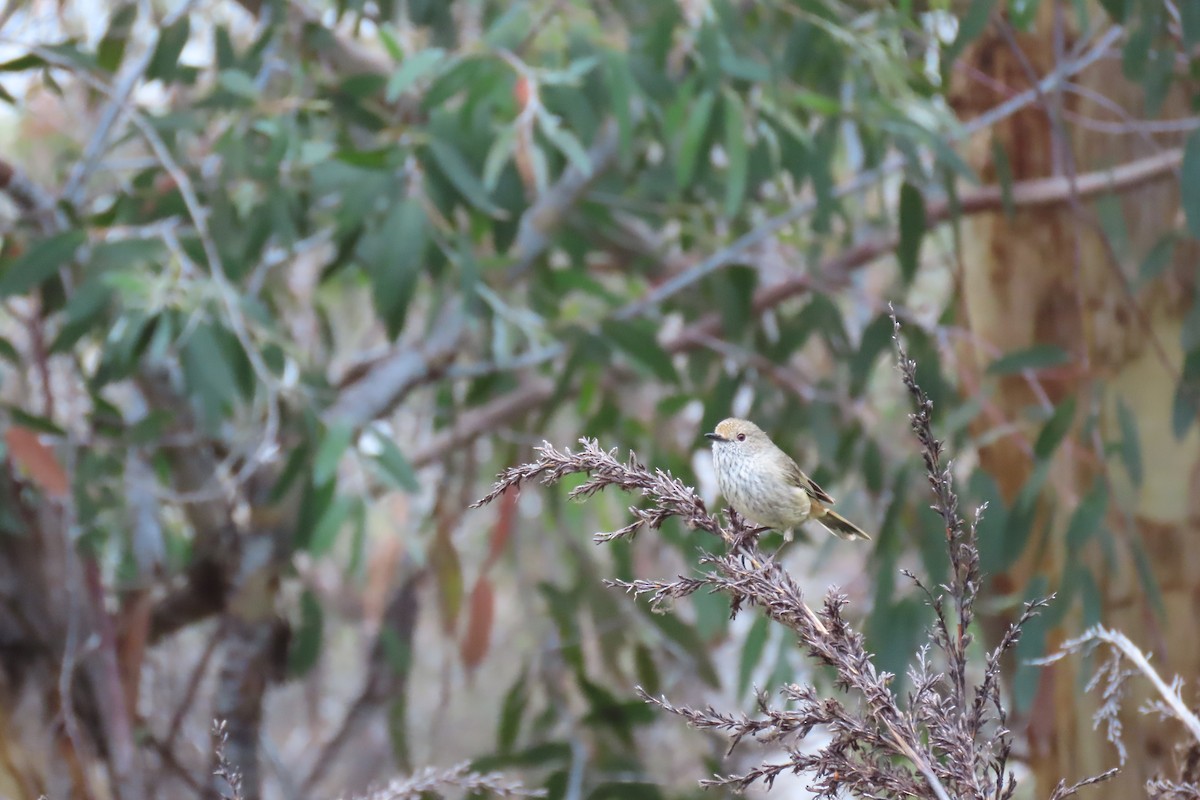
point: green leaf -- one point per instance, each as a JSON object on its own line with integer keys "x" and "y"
{"x": 83, "y": 311}
{"x": 1131, "y": 451}
{"x": 734, "y": 289}
{"x": 575, "y": 72}
{"x": 695, "y": 133}
{"x": 223, "y": 51}
{"x": 395, "y": 256}
{"x": 1189, "y": 16}
{"x": 912, "y": 229}
{"x": 566, "y": 142}
{"x": 1158, "y": 259}
{"x": 35, "y": 422}
{"x": 1087, "y": 518}
{"x": 411, "y": 70}
{"x": 1022, "y": 13}
{"x": 538, "y": 755}
{"x": 124, "y": 255}
{"x": 1039, "y": 356}
{"x": 636, "y": 339}
{"x": 1117, "y": 9}
{"x": 209, "y": 372}
{"x": 305, "y": 646}
{"x": 329, "y": 454}
{"x": 9, "y": 353}
{"x": 165, "y": 61}
{"x": 498, "y": 156}
{"x": 39, "y": 262}
{"x": 752, "y": 651}
{"x": 621, "y": 90}
{"x": 1021, "y": 517}
{"x": 397, "y": 468}
{"x": 1189, "y": 183}
{"x": 1111, "y": 215}
{"x": 511, "y": 710}
{"x": 971, "y": 25}
{"x": 325, "y": 533}
{"x": 1146, "y": 576}
{"x": 1032, "y": 645}
{"x": 646, "y": 670}
{"x": 463, "y": 74}
{"x": 23, "y": 63}
{"x": 1187, "y": 396}
{"x": 458, "y": 172}
{"x": 876, "y": 338}
{"x": 686, "y": 637}
{"x": 390, "y": 43}
{"x": 735, "y": 152}
{"x": 993, "y": 523}
{"x": 1056, "y": 428}
{"x": 111, "y": 48}
{"x": 1004, "y": 177}
{"x": 238, "y": 83}
{"x": 1137, "y": 51}
{"x": 1189, "y": 334}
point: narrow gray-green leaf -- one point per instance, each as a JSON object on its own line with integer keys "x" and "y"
{"x": 165, "y": 61}
{"x": 912, "y": 229}
{"x": 1088, "y": 517}
{"x": 498, "y": 156}
{"x": 565, "y": 141}
{"x": 239, "y": 83}
{"x": 395, "y": 255}
{"x": 458, "y": 172}
{"x": 636, "y": 339}
{"x": 1158, "y": 259}
{"x": 1189, "y": 183}
{"x": 390, "y": 43}
{"x": 330, "y": 524}
{"x": 736, "y": 153}
{"x": 1039, "y": 356}
{"x": 1186, "y": 404}
{"x": 621, "y": 91}
{"x": 695, "y": 132}
{"x": 1131, "y": 448}
{"x": 329, "y": 453}
{"x": 970, "y": 25}
{"x": 305, "y": 646}
{"x": 1003, "y": 177}
{"x": 752, "y": 651}
{"x": 39, "y": 262}
{"x": 1056, "y": 428}
{"x": 411, "y": 70}
{"x": 1189, "y": 16}
{"x": 396, "y": 466}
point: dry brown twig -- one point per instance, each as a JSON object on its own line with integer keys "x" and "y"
{"x": 948, "y": 739}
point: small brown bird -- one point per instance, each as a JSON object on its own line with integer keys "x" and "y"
{"x": 765, "y": 486}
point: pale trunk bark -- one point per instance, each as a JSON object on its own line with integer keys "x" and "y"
{"x": 1047, "y": 276}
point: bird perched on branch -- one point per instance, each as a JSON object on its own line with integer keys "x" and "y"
{"x": 765, "y": 485}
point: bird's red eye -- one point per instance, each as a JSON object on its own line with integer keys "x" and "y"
{"x": 741, "y": 437}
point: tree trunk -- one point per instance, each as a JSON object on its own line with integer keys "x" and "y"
{"x": 1052, "y": 276}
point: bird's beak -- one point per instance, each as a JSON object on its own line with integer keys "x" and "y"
{"x": 716, "y": 437}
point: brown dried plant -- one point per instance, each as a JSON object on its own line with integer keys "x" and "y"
{"x": 947, "y": 738}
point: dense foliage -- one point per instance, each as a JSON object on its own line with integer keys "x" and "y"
{"x": 285, "y": 285}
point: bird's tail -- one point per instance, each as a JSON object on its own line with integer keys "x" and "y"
{"x": 841, "y": 527}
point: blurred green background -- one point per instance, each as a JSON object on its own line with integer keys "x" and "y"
{"x": 285, "y": 284}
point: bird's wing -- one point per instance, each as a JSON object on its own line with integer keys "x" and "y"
{"x": 797, "y": 476}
